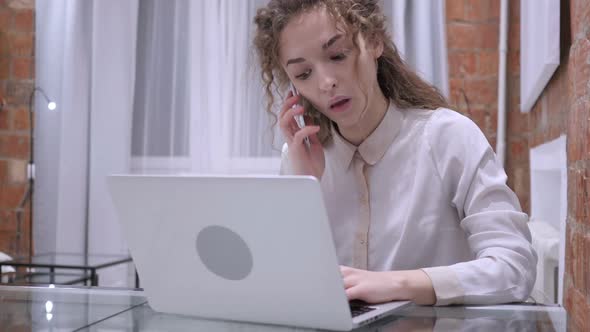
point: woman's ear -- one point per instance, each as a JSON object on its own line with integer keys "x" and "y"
{"x": 377, "y": 48}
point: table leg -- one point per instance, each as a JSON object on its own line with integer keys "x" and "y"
{"x": 93, "y": 278}
{"x": 136, "y": 279}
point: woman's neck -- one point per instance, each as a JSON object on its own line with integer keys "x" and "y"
{"x": 368, "y": 122}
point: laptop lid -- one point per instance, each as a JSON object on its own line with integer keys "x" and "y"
{"x": 256, "y": 249}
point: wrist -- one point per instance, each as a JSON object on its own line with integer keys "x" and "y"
{"x": 419, "y": 285}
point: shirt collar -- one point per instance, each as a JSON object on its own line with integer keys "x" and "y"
{"x": 373, "y": 148}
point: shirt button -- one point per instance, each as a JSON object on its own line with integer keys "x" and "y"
{"x": 363, "y": 242}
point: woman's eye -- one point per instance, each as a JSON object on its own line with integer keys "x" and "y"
{"x": 304, "y": 75}
{"x": 338, "y": 57}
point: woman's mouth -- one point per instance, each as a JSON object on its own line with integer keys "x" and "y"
{"x": 340, "y": 105}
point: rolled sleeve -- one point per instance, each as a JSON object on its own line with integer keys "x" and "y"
{"x": 447, "y": 286}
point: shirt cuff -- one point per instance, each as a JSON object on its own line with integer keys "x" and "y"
{"x": 447, "y": 287}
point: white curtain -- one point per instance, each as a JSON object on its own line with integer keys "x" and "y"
{"x": 162, "y": 86}
{"x": 418, "y": 30}
{"x": 86, "y": 63}
{"x": 230, "y": 131}
{"x": 160, "y": 137}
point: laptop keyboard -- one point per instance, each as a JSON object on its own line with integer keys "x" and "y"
{"x": 359, "y": 307}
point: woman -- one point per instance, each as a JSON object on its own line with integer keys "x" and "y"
{"x": 418, "y": 205}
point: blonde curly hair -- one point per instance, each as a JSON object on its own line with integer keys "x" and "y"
{"x": 399, "y": 83}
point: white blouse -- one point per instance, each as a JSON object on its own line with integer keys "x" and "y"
{"x": 425, "y": 191}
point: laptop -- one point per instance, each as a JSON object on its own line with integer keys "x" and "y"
{"x": 243, "y": 248}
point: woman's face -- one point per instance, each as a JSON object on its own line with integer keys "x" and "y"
{"x": 326, "y": 68}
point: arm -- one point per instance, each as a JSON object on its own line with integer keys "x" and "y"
{"x": 490, "y": 215}
{"x": 497, "y": 232}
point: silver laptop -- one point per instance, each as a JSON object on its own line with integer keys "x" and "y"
{"x": 245, "y": 248}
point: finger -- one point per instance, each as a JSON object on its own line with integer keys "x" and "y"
{"x": 349, "y": 282}
{"x": 288, "y": 124}
{"x": 288, "y": 104}
{"x": 345, "y": 270}
{"x": 353, "y": 293}
{"x": 303, "y": 133}
{"x": 314, "y": 138}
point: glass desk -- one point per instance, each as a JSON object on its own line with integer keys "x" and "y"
{"x": 60, "y": 264}
{"x": 96, "y": 309}
{"x": 61, "y": 309}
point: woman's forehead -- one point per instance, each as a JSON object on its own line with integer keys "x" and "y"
{"x": 308, "y": 30}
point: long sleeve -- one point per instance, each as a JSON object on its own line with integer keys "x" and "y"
{"x": 490, "y": 214}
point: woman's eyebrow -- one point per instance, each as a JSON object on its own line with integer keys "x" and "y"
{"x": 330, "y": 42}
{"x": 325, "y": 46}
{"x": 296, "y": 60}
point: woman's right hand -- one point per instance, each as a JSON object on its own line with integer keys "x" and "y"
{"x": 304, "y": 161}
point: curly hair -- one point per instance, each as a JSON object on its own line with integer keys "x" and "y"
{"x": 398, "y": 82}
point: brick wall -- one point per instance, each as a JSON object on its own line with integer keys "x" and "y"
{"x": 562, "y": 108}
{"x": 473, "y": 38}
{"x": 571, "y": 87}
{"x": 16, "y": 82}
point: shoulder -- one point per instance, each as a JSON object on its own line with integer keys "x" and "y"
{"x": 450, "y": 131}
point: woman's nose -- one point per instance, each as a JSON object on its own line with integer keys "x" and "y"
{"x": 328, "y": 82}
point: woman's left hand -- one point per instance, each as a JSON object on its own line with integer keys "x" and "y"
{"x": 379, "y": 287}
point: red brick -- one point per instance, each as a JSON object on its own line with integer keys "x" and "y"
{"x": 578, "y": 310}
{"x": 517, "y": 122}
{"x": 579, "y": 195}
{"x": 3, "y": 171}
{"x": 513, "y": 94}
{"x": 11, "y": 195}
{"x": 4, "y": 119}
{"x": 8, "y": 243}
{"x": 5, "y": 20}
{"x": 513, "y": 37}
{"x": 456, "y": 91}
{"x": 513, "y": 62}
{"x": 579, "y": 265}
{"x": 17, "y": 171}
{"x": 579, "y": 12}
{"x": 587, "y": 270}
{"x": 514, "y": 11}
{"x": 7, "y": 221}
{"x": 4, "y": 44}
{"x": 517, "y": 150}
{"x": 492, "y": 121}
{"x": 582, "y": 68}
{"x": 556, "y": 93}
{"x": 481, "y": 11}
{"x": 571, "y": 74}
{"x": 488, "y": 62}
{"x": 12, "y": 146}
{"x": 18, "y": 92}
{"x": 4, "y": 68}
{"x": 578, "y": 128}
{"x": 20, "y": 119}
{"x": 586, "y": 132}
{"x": 518, "y": 180}
{"x": 461, "y": 64}
{"x": 472, "y": 35}
{"x": 455, "y": 10}
{"x": 21, "y": 44}
{"x": 569, "y": 256}
{"x": 482, "y": 91}
{"x": 24, "y": 20}
{"x": 22, "y": 68}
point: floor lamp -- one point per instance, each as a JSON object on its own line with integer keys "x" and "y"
{"x": 31, "y": 165}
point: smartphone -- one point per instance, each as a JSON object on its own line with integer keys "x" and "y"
{"x": 299, "y": 118}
